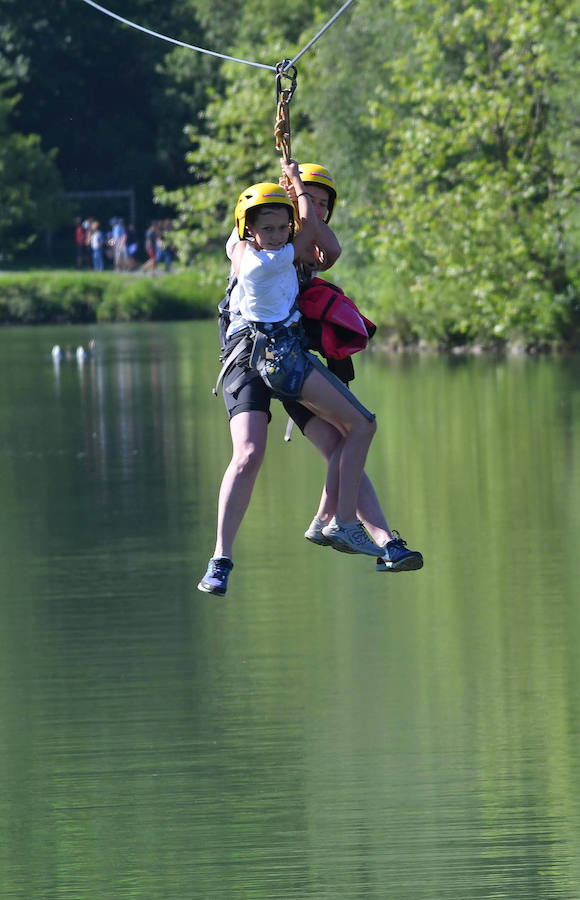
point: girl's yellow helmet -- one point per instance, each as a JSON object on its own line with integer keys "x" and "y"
{"x": 311, "y": 173}
{"x": 265, "y": 192}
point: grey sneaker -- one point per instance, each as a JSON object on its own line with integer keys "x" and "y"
{"x": 314, "y": 533}
{"x": 350, "y": 538}
{"x": 397, "y": 557}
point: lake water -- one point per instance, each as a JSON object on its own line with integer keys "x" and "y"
{"x": 324, "y": 731}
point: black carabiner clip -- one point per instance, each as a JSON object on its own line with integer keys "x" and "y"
{"x": 290, "y": 73}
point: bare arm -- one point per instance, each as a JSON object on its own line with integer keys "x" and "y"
{"x": 306, "y": 236}
{"x": 237, "y": 254}
{"x": 327, "y": 248}
{"x": 315, "y": 244}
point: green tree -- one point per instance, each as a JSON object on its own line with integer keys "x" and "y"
{"x": 108, "y": 97}
{"x": 31, "y": 194}
{"x": 477, "y": 178}
{"x": 340, "y": 77}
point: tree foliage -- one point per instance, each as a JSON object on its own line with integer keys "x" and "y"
{"x": 476, "y": 184}
{"x": 30, "y": 185}
{"x": 453, "y": 132}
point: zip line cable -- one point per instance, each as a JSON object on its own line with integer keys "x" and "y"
{"x": 163, "y": 37}
{"x": 321, "y": 32}
{"x": 171, "y": 40}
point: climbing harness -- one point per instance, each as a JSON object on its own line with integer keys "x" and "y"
{"x": 275, "y": 350}
{"x": 279, "y": 358}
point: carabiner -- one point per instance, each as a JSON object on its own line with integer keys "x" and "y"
{"x": 289, "y": 73}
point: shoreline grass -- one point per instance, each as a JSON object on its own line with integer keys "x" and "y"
{"x": 68, "y": 296}
{"x": 61, "y": 296}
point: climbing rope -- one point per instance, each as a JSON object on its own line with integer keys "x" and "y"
{"x": 283, "y": 98}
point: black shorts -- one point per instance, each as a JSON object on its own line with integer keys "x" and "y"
{"x": 299, "y": 413}
{"x": 252, "y": 395}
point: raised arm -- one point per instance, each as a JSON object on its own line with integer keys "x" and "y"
{"x": 315, "y": 243}
{"x": 308, "y": 231}
{"x": 327, "y": 248}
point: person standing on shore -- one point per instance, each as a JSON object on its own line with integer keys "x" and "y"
{"x": 97, "y": 246}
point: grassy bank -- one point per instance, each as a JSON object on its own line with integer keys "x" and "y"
{"x": 67, "y": 297}
{"x": 453, "y": 324}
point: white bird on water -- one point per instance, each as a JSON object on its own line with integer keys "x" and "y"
{"x": 80, "y": 354}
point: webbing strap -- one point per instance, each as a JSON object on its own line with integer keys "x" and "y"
{"x": 229, "y": 361}
{"x": 341, "y": 387}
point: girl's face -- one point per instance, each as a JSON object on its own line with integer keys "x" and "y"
{"x": 271, "y": 229}
{"x": 319, "y": 197}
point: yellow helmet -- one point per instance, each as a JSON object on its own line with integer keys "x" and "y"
{"x": 311, "y": 173}
{"x": 259, "y": 195}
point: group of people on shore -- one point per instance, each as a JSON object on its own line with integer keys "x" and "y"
{"x": 119, "y": 248}
{"x": 280, "y": 241}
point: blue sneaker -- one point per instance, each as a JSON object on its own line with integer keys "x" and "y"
{"x": 215, "y": 580}
{"x": 398, "y": 558}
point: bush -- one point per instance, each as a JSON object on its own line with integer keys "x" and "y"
{"x": 36, "y": 298}
{"x": 39, "y": 298}
{"x": 173, "y": 297}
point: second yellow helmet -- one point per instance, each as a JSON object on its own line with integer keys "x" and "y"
{"x": 312, "y": 173}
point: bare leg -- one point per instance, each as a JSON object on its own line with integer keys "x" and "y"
{"x": 371, "y": 514}
{"x": 328, "y": 403}
{"x": 327, "y": 441}
{"x": 249, "y": 431}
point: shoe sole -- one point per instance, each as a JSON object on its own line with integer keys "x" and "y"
{"x": 405, "y": 565}
{"x": 337, "y": 544}
{"x": 206, "y": 589}
{"x": 321, "y": 541}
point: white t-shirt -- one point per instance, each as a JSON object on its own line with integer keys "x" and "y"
{"x": 96, "y": 240}
{"x": 267, "y": 285}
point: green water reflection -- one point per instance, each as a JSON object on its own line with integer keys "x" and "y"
{"x": 323, "y": 731}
